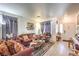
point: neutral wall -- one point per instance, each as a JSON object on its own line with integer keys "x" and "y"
{"x": 69, "y": 24}
{"x": 21, "y": 25}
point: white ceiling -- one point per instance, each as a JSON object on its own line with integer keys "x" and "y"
{"x": 30, "y": 10}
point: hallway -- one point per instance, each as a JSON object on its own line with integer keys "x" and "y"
{"x": 58, "y": 49}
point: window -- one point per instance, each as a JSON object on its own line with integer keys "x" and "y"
{"x": 59, "y": 28}
{"x": 10, "y": 27}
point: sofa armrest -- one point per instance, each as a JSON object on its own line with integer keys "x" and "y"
{"x": 25, "y": 52}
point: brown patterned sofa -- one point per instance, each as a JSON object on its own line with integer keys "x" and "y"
{"x": 23, "y": 39}
{"x": 13, "y": 48}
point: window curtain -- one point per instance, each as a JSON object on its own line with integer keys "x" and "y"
{"x": 42, "y": 27}
{"x": 10, "y": 27}
{"x": 46, "y": 27}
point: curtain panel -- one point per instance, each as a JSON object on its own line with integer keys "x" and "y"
{"x": 46, "y": 27}
{"x": 10, "y": 27}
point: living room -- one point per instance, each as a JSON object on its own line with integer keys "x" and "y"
{"x": 37, "y": 29}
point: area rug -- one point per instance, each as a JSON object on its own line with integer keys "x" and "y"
{"x": 43, "y": 49}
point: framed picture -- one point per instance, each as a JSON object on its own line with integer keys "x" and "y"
{"x": 30, "y": 26}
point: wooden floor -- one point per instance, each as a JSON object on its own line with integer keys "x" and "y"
{"x": 58, "y": 49}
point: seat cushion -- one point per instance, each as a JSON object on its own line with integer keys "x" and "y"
{"x": 4, "y": 50}
{"x": 25, "y": 52}
{"x": 10, "y": 46}
{"x": 18, "y": 47}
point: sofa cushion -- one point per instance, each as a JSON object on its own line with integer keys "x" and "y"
{"x": 4, "y": 50}
{"x": 10, "y": 46}
{"x": 18, "y": 47}
{"x": 25, "y": 38}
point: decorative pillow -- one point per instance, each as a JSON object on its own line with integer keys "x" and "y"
{"x": 4, "y": 50}
{"x": 25, "y": 38}
{"x": 18, "y": 47}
